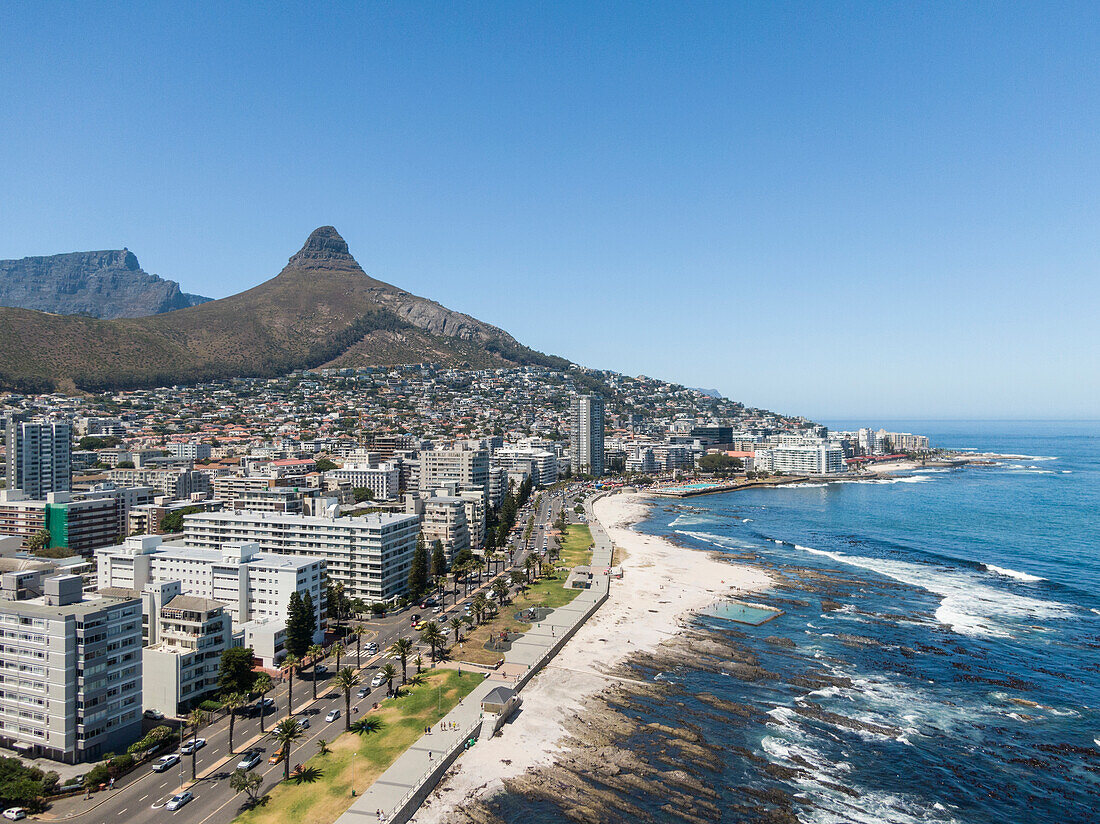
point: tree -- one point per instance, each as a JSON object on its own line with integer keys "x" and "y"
{"x": 418, "y": 570}
{"x": 361, "y": 493}
{"x": 528, "y": 565}
{"x": 316, "y": 654}
{"x": 479, "y": 605}
{"x": 456, "y": 624}
{"x": 500, "y": 589}
{"x": 518, "y": 578}
{"x": 288, "y": 665}
{"x": 263, "y": 686}
{"x": 299, "y": 632}
{"x": 338, "y": 650}
{"x": 347, "y": 680}
{"x": 322, "y": 746}
{"x": 286, "y": 732}
{"x": 432, "y": 636}
{"x": 401, "y": 649}
{"x": 324, "y": 465}
{"x": 389, "y": 672}
{"x": 236, "y": 671}
{"x": 359, "y": 631}
{"x": 439, "y": 560}
{"x": 337, "y": 603}
{"x": 720, "y": 463}
{"x": 21, "y": 785}
{"x": 245, "y": 781}
{"x": 38, "y": 541}
{"x": 231, "y": 703}
{"x": 196, "y": 719}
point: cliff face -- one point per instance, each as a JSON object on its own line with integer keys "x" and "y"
{"x": 107, "y": 284}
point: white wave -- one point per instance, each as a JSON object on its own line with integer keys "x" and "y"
{"x": 1067, "y": 471}
{"x": 1012, "y": 573}
{"x": 1097, "y": 611}
{"x": 900, "y": 479}
{"x": 806, "y": 486}
{"x": 969, "y": 607}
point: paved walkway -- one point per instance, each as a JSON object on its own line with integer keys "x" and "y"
{"x": 397, "y": 793}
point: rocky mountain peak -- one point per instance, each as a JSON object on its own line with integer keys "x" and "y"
{"x": 322, "y": 248}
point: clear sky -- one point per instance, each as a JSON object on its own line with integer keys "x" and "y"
{"x": 836, "y": 209}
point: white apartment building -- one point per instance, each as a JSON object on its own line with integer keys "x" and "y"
{"x": 465, "y": 467}
{"x": 442, "y": 518}
{"x": 182, "y": 667}
{"x": 192, "y": 451}
{"x": 369, "y": 554}
{"x": 822, "y": 459}
{"x": 540, "y": 464}
{"x": 39, "y": 456}
{"x": 586, "y": 434}
{"x": 383, "y": 480}
{"x": 70, "y": 668}
{"x": 253, "y": 585}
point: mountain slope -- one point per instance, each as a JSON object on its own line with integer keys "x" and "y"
{"x": 321, "y": 309}
{"x": 107, "y": 284}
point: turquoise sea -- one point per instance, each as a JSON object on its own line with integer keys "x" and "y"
{"x": 938, "y": 659}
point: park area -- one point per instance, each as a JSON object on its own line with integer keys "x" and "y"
{"x": 321, "y": 792}
{"x": 546, "y": 592}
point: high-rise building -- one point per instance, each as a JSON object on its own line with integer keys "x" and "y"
{"x": 39, "y": 456}
{"x": 586, "y": 435}
{"x": 70, "y": 675}
{"x": 465, "y": 467}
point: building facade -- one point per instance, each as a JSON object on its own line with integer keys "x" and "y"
{"x": 39, "y": 456}
{"x": 586, "y": 436}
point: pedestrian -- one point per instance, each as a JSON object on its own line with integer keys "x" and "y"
{"x": 111, "y": 783}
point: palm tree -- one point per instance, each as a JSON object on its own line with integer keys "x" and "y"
{"x": 432, "y": 636}
{"x": 262, "y": 686}
{"x": 231, "y": 703}
{"x": 288, "y": 665}
{"x": 196, "y": 719}
{"x": 316, "y": 655}
{"x": 389, "y": 672}
{"x": 322, "y": 746}
{"x": 456, "y": 624}
{"x": 359, "y": 631}
{"x": 528, "y": 565}
{"x": 480, "y": 604}
{"x": 479, "y": 565}
{"x": 500, "y": 589}
{"x": 347, "y": 680}
{"x": 338, "y": 650}
{"x": 419, "y": 663}
{"x": 286, "y": 732}
{"x": 402, "y": 648}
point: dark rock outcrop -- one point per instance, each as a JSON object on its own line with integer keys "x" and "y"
{"x": 107, "y": 284}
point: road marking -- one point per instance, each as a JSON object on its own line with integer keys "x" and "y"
{"x": 144, "y": 797}
{"x": 120, "y": 812}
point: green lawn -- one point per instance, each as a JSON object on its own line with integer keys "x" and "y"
{"x": 543, "y": 592}
{"x": 356, "y": 761}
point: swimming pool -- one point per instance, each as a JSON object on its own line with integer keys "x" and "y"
{"x": 741, "y": 613}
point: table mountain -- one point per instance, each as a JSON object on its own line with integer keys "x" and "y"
{"x": 107, "y": 284}
{"x": 322, "y": 309}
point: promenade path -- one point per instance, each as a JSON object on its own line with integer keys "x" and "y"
{"x": 399, "y": 791}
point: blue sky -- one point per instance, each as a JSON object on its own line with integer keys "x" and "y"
{"x": 840, "y": 210}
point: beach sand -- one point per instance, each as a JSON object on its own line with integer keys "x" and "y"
{"x": 658, "y": 576}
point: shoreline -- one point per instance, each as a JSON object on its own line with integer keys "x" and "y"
{"x": 656, "y": 573}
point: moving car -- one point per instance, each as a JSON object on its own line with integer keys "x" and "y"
{"x": 303, "y": 723}
{"x": 277, "y": 757}
{"x": 166, "y": 761}
{"x": 15, "y": 813}
{"x": 193, "y": 745}
{"x": 249, "y": 759}
{"x": 178, "y": 800}
{"x": 363, "y": 691}
{"x": 320, "y": 669}
{"x": 332, "y": 716}
{"x": 372, "y": 647}
{"x": 378, "y": 680}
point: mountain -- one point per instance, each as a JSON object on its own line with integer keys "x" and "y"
{"x": 108, "y": 284}
{"x": 322, "y": 309}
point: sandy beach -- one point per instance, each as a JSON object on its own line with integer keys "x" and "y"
{"x": 661, "y": 584}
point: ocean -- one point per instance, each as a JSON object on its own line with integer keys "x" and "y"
{"x": 937, "y": 658}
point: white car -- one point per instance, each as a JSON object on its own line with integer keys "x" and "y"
{"x": 378, "y": 680}
{"x": 193, "y": 745}
{"x": 249, "y": 760}
{"x": 166, "y": 761}
{"x": 332, "y": 716}
{"x": 178, "y": 800}
{"x": 15, "y": 813}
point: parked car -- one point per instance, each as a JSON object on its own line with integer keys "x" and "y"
{"x": 332, "y": 716}
{"x": 193, "y": 745}
{"x": 249, "y": 759}
{"x": 155, "y": 715}
{"x": 179, "y": 800}
{"x": 166, "y": 761}
{"x": 15, "y": 813}
{"x": 415, "y": 617}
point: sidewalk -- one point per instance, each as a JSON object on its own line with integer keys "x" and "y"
{"x": 397, "y": 793}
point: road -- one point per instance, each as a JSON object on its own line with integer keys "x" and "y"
{"x": 141, "y": 795}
